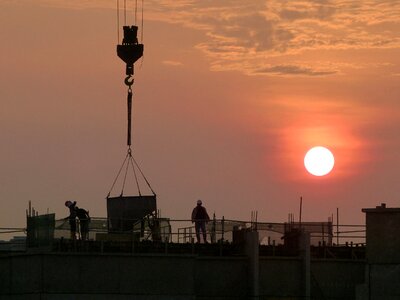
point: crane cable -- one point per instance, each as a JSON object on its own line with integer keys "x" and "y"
{"x": 124, "y": 12}
{"x": 130, "y": 160}
{"x": 135, "y": 18}
{"x": 117, "y": 21}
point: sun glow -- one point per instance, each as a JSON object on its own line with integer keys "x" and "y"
{"x": 319, "y": 161}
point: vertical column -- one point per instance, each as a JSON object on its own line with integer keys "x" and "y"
{"x": 252, "y": 253}
{"x": 306, "y": 268}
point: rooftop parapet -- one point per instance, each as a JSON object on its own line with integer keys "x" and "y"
{"x": 382, "y": 234}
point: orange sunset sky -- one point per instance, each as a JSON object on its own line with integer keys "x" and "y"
{"x": 228, "y": 98}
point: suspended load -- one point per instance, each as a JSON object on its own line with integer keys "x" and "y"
{"x": 124, "y": 211}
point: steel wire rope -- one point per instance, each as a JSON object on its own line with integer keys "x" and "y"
{"x": 125, "y": 12}
{"x": 117, "y": 21}
{"x": 141, "y": 33}
{"x": 134, "y": 173}
{"x": 130, "y": 129}
{"x": 116, "y": 178}
{"x": 144, "y": 177}
{"x": 126, "y": 172}
{"x": 135, "y": 13}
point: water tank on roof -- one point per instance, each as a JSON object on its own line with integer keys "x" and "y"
{"x": 124, "y": 211}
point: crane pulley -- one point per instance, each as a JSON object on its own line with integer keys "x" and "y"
{"x": 130, "y": 50}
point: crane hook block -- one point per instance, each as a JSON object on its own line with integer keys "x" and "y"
{"x": 130, "y": 50}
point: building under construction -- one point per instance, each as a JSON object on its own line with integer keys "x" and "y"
{"x": 147, "y": 261}
{"x": 134, "y": 253}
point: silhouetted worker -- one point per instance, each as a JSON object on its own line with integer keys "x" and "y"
{"x": 84, "y": 220}
{"x": 200, "y": 218}
{"x": 72, "y": 217}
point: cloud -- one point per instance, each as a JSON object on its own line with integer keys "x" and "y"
{"x": 246, "y": 33}
{"x": 69, "y": 4}
{"x": 293, "y": 70}
{"x": 172, "y": 63}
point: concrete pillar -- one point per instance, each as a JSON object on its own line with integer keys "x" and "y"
{"x": 382, "y": 236}
{"x": 252, "y": 253}
{"x": 306, "y": 268}
{"x": 382, "y": 274}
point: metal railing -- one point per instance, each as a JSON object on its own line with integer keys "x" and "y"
{"x": 183, "y": 231}
{"x": 218, "y": 230}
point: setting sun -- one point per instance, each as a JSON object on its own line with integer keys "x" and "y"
{"x": 319, "y": 161}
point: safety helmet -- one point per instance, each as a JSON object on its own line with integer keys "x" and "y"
{"x": 199, "y": 202}
{"x": 68, "y": 203}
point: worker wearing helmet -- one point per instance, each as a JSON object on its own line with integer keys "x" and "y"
{"x": 200, "y": 218}
{"x": 72, "y": 217}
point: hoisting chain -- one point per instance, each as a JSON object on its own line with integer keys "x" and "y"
{"x": 129, "y": 82}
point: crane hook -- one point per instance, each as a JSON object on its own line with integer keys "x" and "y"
{"x": 129, "y": 80}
